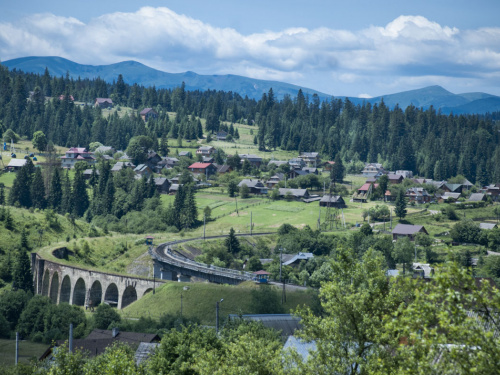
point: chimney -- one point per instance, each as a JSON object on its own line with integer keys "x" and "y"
{"x": 115, "y": 332}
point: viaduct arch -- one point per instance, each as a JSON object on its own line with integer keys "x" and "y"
{"x": 81, "y": 287}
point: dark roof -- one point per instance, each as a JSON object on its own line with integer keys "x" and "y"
{"x": 407, "y": 229}
{"x": 251, "y": 183}
{"x": 123, "y": 336}
{"x": 99, "y": 339}
{"x": 145, "y": 111}
{"x": 223, "y": 168}
{"x": 286, "y": 323}
{"x": 476, "y": 197}
{"x": 331, "y": 198}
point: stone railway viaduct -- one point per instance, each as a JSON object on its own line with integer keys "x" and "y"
{"x": 81, "y": 287}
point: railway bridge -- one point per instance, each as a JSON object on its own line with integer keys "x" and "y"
{"x": 82, "y": 287}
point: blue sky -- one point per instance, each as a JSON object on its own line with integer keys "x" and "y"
{"x": 356, "y": 48}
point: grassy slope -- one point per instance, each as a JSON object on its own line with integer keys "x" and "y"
{"x": 27, "y": 350}
{"x": 199, "y": 301}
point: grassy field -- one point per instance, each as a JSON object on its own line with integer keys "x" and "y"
{"x": 27, "y": 351}
{"x": 198, "y": 301}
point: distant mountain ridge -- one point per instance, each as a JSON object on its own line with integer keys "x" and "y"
{"x": 135, "y": 72}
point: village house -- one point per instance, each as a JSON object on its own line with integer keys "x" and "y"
{"x": 395, "y": 178}
{"x": 143, "y": 170}
{"x": 152, "y": 160}
{"x": 452, "y": 188}
{"x": 148, "y": 114}
{"x": 207, "y": 159}
{"x": 295, "y": 193}
{"x": 275, "y": 180}
{"x": 166, "y": 163}
{"x": 16, "y": 164}
{"x": 422, "y": 271}
{"x": 206, "y": 169}
{"x": 477, "y": 197}
{"x": 405, "y": 173}
{"x": 87, "y": 173}
{"x": 296, "y": 163}
{"x": 76, "y": 154}
{"x": 407, "y": 230}
{"x": 450, "y": 197}
{"x": 221, "y": 135}
{"x": 493, "y": 191}
{"x": 256, "y": 186}
{"x": 311, "y": 159}
{"x": 418, "y": 195}
{"x": 103, "y": 103}
{"x": 488, "y": 226}
{"x": 388, "y": 197}
{"x": 223, "y": 169}
{"x": 335, "y": 201}
{"x": 277, "y": 162}
{"x": 295, "y": 259}
{"x": 122, "y": 164}
{"x": 186, "y": 154}
{"x": 364, "y": 192}
{"x": 162, "y": 185}
{"x": 373, "y": 170}
{"x": 254, "y": 160}
{"x": 205, "y": 150}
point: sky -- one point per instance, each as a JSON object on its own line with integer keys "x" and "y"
{"x": 359, "y": 48}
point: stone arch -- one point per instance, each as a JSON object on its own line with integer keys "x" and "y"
{"x": 65, "y": 294}
{"x": 147, "y": 291}
{"x": 46, "y": 283}
{"x": 111, "y": 295}
{"x": 95, "y": 297}
{"x": 54, "y": 287}
{"x": 79, "y": 293}
{"x": 129, "y": 296}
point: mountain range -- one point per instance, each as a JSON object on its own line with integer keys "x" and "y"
{"x": 135, "y": 72}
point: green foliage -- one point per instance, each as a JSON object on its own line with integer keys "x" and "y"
{"x": 232, "y": 188}
{"x": 21, "y": 273}
{"x": 39, "y": 141}
{"x": 244, "y": 191}
{"x": 450, "y": 213}
{"x": 466, "y": 231}
{"x": 104, "y": 316}
{"x": 404, "y": 251}
{"x": 349, "y": 335}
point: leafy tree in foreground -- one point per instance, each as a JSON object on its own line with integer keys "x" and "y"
{"x": 448, "y": 329}
{"x": 349, "y": 336}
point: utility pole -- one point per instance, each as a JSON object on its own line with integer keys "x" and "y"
{"x": 251, "y": 225}
{"x": 17, "y": 347}
{"x": 203, "y": 226}
{"x": 217, "y": 315}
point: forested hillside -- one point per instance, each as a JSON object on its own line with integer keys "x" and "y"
{"x": 432, "y": 145}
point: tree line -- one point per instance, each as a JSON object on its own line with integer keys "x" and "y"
{"x": 425, "y": 141}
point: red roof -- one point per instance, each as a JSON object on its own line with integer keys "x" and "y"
{"x": 387, "y": 192}
{"x": 261, "y": 272}
{"x": 200, "y": 165}
{"x": 366, "y": 186}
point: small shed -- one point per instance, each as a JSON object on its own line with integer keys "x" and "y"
{"x": 332, "y": 201}
{"x": 261, "y": 276}
{"x": 149, "y": 240}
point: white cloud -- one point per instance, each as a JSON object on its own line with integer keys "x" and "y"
{"x": 407, "y": 51}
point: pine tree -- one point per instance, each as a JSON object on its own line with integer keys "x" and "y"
{"x": 190, "y": 211}
{"x": 66, "y": 194}
{"x": 55, "y": 192}
{"x": 338, "y": 171}
{"x": 20, "y": 192}
{"x": 400, "y": 209}
{"x": 179, "y": 206}
{"x": 232, "y": 243}
{"x": 79, "y": 196}
{"x": 164, "y": 145}
{"x": 21, "y": 273}
{"x": 38, "y": 191}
